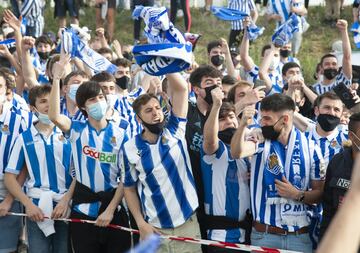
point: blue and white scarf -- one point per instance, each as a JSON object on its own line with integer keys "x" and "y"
{"x": 355, "y": 28}
{"x": 292, "y": 165}
{"x": 228, "y": 14}
{"x": 8, "y": 43}
{"x": 285, "y": 32}
{"x": 73, "y": 45}
{"x": 167, "y": 51}
{"x": 253, "y": 32}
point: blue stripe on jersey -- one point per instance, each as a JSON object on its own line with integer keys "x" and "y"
{"x": 284, "y": 10}
{"x": 79, "y": 151}
{"x": 50, "y": 162}
{"x": 256, "y": 172}
{"x": 157, "y": 197}
{"x": 34, "y": 161}
{"x": 91, "y": 166}
{"x": 175, "y": 180}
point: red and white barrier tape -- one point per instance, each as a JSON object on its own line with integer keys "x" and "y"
{"x": 226, "y": 245}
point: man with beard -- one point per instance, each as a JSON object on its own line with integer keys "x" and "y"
{"x": 330, "y": 67}
{"x": 287, "y": 175}
{"x": 226, "y": 182}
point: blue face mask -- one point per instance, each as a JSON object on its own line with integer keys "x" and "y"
{"x": 72, "y": 91}
{"x": 98, "y": 110}
{"x": 43, "y": 118}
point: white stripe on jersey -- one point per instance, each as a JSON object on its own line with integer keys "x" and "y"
{"x": 241, "y": 5}
{"x": 279, "y": 7}
{"x": 11, "y": 125}
{"x": 320, "y": 88}
{"x": 226, "y": 189}
{"x": 162, "y": 172}
{"x": 47, "y": 160}
{"x": 329, "y": 145}
{"x": 270, "y": 214}
{"x": 97, "y": 158}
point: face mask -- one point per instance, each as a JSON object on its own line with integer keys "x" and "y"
{"x": 98, "y": 110}
{"x": 285, "y": 53}
{"x": 217, "y": 60}
{"x": 43, "y": 55}
{"x": 270, "y": 133}
{"x": 153, "y": 128}
{"x": 330, "y": 73}
{"x": 43, "y": 118}
{"x": 2, "y": 99}
{"x": 111, "y": 99}
{"x": 72, "y": 91}
{"x": 123, "y": 82}
{"x": 274, "y": 63}
{"x": 12, "y": 50}
{"x": 226, "y": 135}
{"x": 208, "y": 97}
{"x": 328, "y": 122}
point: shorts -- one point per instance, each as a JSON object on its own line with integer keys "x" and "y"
{"x": 111, "y": 4}
{"x": 11, "y": 228}
{"x": 61, "y": 6}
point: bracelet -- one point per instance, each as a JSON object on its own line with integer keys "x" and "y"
{"x": 301, "y": 196}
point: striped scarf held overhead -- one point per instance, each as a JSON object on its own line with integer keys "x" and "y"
{"x": 167, "y": 50}
{"x": 285, "y": 32}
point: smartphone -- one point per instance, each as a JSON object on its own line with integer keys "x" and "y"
{"x": 345, "y": 95}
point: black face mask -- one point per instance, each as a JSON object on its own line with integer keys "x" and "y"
{"x": 12, "y": 50}
{"x": 328, "y": 122}
{"x": 330, "y": 73}
{"x": 43, "y": 55}
{"x": 284, "y": 53}
{"x": 217, "y": 60}
{"x": 123, "y": 82}
{"x": 226, "y": 135}
{"x": 128, "y": 55}
{"x": 154, "y": 128}
{"x": 208, "y": 97}
{"x": 270, "y": 133}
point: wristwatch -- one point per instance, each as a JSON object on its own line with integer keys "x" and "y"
{"x": 301, "y": 196}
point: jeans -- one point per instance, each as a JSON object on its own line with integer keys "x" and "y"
{"x": 293, "y": 242}
{"x": 55, "y": 243}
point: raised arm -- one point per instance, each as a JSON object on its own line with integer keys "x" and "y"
{"x": 241, "y": 148}
{"x": 211, "y": 127}
{"x": 246, "y": 60}
{"x": 60, "y": 120}
{"x": 179, "y": 94}
{"x": 228, "y": 61}
{"x": 342, "y": 25}
{"x": 264, "y": 68}
{"x": 27, "y": 67}
{"x": 15, "y": 23}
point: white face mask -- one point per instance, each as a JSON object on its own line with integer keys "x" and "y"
{"x": 7, "y": 30}
{"x": 2, "y": 99}
{"x": 274, "y": 63}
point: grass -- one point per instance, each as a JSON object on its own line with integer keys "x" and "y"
{"x": 316, "y": 41}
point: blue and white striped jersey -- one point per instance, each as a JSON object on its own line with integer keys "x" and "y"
{"x": 79, "y": 116}
{"x": 226, "y": 188}
{"x": 163, "y": 176}
{"x": 329, "y": 145}
{"x": 33, "y": 10}
{"x": 320, "y": 88}
{"x": 279, "y": 7}
{"x": 124, "y": 106}
{"x": 290, "y": 59}
{"x": 47, "y": 160}
{"x": 311, "y": 165}
{"x": 276, "y": 79}
{"x": 240, "y": 5}
{"x": 97, "y": 159}
{"x": 11, "y": 125}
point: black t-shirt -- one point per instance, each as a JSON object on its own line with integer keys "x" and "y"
{"x": 337, "y": 183}
{"x": 194, "y": 139}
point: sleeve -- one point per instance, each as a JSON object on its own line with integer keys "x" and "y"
{"x": 341, "y": 78}
{"x": 130, "y": 177}
{"x": 252, "y": 75}
{"x": 251, "y": 5}
{"x": 209, "y": 159}
{"x": 74, "y": 131}
{"x": 121, "y": 163}
{"x": 176, "y": 126}
{"x": 16, "y": 158}
{"x": 317, "y": 170}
